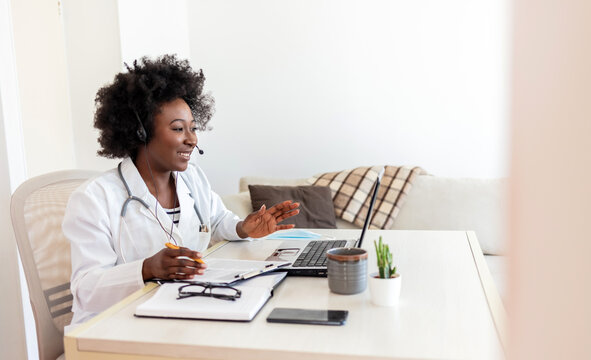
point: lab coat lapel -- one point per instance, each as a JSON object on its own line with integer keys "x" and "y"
{"x": 187, "y": 207}
{"x": 135, "y": 182}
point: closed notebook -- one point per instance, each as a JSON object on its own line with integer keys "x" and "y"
{"x": 255, "y": 294}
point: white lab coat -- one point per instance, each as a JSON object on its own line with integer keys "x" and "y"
{"x": 108, "y": 250}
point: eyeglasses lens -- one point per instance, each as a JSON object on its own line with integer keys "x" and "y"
{"x": 216, "y": 291}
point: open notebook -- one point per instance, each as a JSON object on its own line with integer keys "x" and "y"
{"x": 229, "y": 271}
{"x": 255, "y": 294}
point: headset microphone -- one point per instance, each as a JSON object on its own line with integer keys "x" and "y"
{"x": 201, "y": 152}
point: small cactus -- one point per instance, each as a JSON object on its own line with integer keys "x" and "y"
{"x": 385, "y": 267}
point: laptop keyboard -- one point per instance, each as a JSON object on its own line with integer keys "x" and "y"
{"x": 314, "y": 253}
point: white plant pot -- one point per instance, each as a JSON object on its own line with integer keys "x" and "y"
{"x": 384, "y": 292}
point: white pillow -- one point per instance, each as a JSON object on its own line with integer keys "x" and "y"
{"x": 239, "y": 203}
{"x": 437, "y": 203}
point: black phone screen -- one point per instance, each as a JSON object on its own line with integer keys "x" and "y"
{"x": 308, "y": 316}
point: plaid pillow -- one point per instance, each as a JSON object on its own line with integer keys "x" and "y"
{"x": 351, "y": 192}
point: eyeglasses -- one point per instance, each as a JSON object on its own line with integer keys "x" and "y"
{"x": 223, "y": 292}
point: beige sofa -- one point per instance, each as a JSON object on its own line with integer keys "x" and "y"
{"x": 434, "y": 203}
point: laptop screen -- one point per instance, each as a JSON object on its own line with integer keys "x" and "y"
{"x": 371, "y": 203}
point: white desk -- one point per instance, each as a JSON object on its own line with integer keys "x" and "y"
{"x": 449, "y": 308}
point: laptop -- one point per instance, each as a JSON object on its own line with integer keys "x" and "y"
{"x": 308, "y": 258}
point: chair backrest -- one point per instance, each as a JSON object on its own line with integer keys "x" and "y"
{"x": 37, "y": 209}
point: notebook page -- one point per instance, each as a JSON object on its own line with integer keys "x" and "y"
{"x": 225, "y": 270}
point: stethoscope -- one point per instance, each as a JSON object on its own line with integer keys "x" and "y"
{"x": 130, "y": 196}
{"x": 203, "y": 228}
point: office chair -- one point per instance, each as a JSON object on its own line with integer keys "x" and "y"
{"x": 37, "y": 209}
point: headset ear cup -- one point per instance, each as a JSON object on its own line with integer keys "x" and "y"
{"x": 141, "y": 131}
{"x": 141, "y": 134}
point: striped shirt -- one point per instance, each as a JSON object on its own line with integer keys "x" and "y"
{"x": 174, "y": 214}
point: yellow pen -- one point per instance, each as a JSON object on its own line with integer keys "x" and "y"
{"x": 173, "y": 246}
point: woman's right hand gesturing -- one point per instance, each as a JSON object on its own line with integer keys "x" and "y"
{"x": 166, "y": 264}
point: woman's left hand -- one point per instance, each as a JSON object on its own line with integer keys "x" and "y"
{"x": 264, "y": 221}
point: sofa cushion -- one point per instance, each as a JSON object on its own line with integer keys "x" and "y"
{"x": 438, "y": 203}
{"x": 316, "y": 207}
{"x": 434, "y": 203}
{"x": 239, "y": 203}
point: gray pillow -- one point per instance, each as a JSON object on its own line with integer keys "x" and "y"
{"x": 316, "y": 207}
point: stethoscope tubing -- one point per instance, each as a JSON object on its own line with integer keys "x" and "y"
{"x": 131, "y": 197}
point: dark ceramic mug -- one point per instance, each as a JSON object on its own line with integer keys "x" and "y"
{"x": 347, "y": 270}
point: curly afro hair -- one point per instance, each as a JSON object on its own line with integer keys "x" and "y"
{"x": 138, "y": 94}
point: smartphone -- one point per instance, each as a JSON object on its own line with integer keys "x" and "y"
{"x": 308, "y": 316}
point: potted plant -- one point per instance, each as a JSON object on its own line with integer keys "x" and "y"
{"x": 384, "y": 285}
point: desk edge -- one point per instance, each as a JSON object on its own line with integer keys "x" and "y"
{"x": 71, "y": 338}
{"x": 493, "y": 298}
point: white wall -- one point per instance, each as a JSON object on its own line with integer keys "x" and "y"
{"x": 550, "y": 316}
{"x": 301, "y": 86}
{"x": 91, "y": 32}
{"x": 43, "y": 86}
{"x": 153, "y": 28}
{"x": 309, "y": 86}
{"x": 100, "y": 36}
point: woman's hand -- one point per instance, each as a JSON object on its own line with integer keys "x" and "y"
{"x": 165, "y": 264}
{"x": 264, "y": 222}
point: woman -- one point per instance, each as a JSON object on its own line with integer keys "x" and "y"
{"x": 118, "y": 223}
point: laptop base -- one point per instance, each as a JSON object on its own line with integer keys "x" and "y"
{"x": 320, "y": 272}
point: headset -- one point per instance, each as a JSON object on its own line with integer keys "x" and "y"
{"x": 141, "y": 131}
